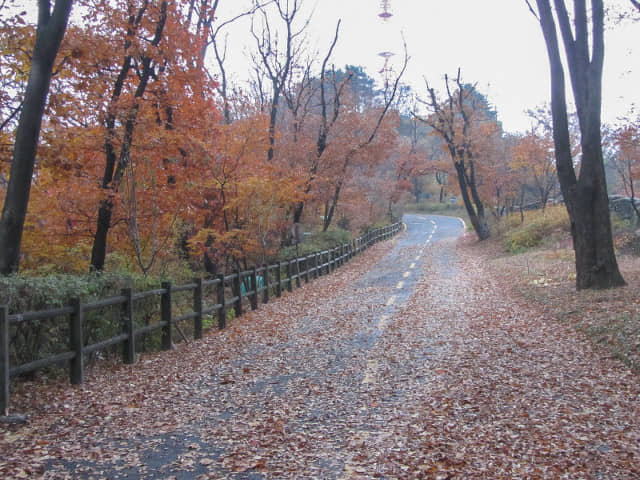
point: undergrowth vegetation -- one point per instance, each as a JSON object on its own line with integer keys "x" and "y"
{"x": 519, "y": 233}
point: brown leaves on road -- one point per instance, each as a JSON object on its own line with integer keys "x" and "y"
{"x": 468, "y": 379}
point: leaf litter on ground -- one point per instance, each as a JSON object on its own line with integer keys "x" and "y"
{"x": 478, "y": 375}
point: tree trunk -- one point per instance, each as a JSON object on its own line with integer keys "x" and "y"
{"x": 98, "y": 252}
{"x": 297, "y": 212}
{"x": 329, "y": 212}
{"x": 50, "y": 31}
{"x": 596, "y": 264}
{"x": 476, "y": 218}
{"x": 114, "y": 172}
{"x": 585, "y": 196}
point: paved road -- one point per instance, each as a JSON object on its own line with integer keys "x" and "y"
{"x": 300, "y": 402}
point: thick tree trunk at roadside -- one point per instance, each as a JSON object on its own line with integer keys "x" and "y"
{"x": 476, "y": 214}
{"x": 585, "y": 195}
{"x": 50, "y": 31}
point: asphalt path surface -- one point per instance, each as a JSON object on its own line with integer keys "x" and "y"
{"x": 296, "y": 406}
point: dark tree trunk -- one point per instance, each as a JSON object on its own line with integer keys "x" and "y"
{"x": 99, "y": 249}
{"x": 114, "y": 172}
{"x": 49, "y": 34}
{"x": 585, "y": 196}
{"x": 476, "y": 216}
{"x": 297, "y": 212}
{"x": 331, "y": 210}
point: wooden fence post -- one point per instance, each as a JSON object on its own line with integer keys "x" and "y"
{"x": 265, "y": 283}
{"x": 297, "y": 272}
{"x": 289, "y": 275}
{"x": 76, "y": 365}
{"x": 4, "y": 360}
{"x": 221, "y": 312}
{"x": 197, "y": 308}
{"x": 253, "y": 298}
{"x": 306, "y": 269}
{"x": 315, "y": 265}
{"x": 129, "y": 346}
{"x": 166, "y": 316}
{"x": 279, "y": 280}
{"x": 237, "y": 292}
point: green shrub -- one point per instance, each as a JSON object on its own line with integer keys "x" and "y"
{"x": 41, "y": 338}
{"x": 314, "y": 242}
{"x": 538, "y": 227}
{"x": 522, "y": 239}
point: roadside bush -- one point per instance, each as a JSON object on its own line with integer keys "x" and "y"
{"x": 315, "y": 241}
{"x": 537, "y": 228}
{"x": 37, "y": 339}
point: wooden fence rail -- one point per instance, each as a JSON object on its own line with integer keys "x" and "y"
{"x": 232, "y": 291}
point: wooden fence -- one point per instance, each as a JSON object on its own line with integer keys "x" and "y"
{"x": 235, "y": 290}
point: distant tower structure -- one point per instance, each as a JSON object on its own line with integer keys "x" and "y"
{"x": 386, "y": 70}
{"x": 385, "y": 14}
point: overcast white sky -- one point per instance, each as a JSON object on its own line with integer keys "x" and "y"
{"x": 497, "y": 43}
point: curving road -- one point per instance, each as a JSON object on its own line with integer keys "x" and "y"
{"x": 296, "y": 398}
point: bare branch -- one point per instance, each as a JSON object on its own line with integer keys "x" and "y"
{"x": 532, "y": 10}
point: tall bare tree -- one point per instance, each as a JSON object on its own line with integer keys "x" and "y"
{"x": 276, "y": 58}
{"x": 328, "y": 117}
{"x": 52, "y": 24}
{"x": 453, "y": 119}
{"x": 585, "y": 193}
{"x": 218, "y": 40}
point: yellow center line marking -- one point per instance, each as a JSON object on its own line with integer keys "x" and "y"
{"x": 369, "y": 375}
{"x": 400, "y": 285}
{"x": 413, "y": 265}
{"x": 406, "y": 274}
{"x": 391, "y": 301}
{"x": 418, "y": 257}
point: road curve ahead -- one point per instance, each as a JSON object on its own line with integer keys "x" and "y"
{"x": 301, "y": 388}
